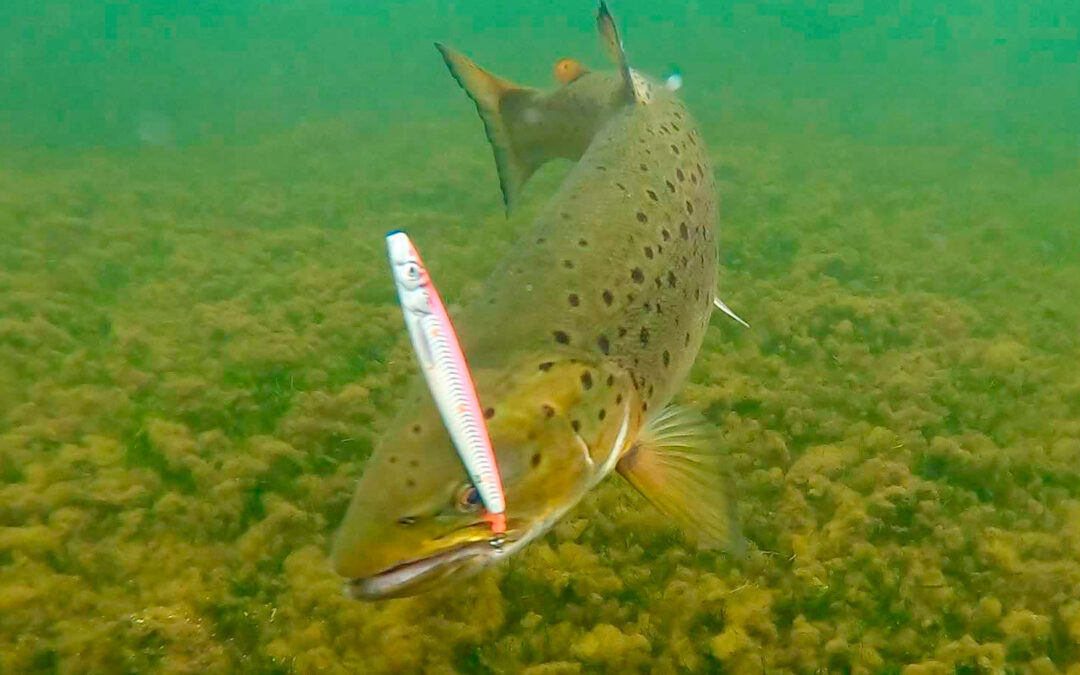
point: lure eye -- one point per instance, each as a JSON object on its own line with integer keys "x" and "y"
{"x": 469, "y": 499}
{"x": 412, "y": 271}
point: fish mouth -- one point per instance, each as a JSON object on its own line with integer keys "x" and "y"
{"x": 421, "y": 574}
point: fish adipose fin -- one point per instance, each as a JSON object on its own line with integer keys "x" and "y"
{"x": 609, "y": 35}
{"x": 500, "y": 104}
{"x": 675, "y": 466}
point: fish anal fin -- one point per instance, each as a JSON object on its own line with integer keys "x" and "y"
{"x": 609, "y": 36}
{"x": 495, "y": 99}
{"x": 675, "y": 465}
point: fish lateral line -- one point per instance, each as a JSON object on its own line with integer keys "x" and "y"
{"x": 447, "y": 374}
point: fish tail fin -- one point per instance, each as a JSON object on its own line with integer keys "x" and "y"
{"x": 498, "y": 101}
{"x": 609, "y": 36}
{"x": 675, "y": 466}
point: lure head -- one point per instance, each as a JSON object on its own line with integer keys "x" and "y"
{"x": 416, "y": 522}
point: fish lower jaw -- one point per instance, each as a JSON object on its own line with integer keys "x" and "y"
{"x": 423, "y": 574}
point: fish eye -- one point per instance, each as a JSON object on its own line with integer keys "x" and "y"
{"x": 468, "y": 499}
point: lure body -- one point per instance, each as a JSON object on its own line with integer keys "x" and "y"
{"x": 443, "y": 363}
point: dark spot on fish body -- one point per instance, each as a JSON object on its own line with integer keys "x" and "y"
{"x": 573, "y": 299}
{"x": 535, "y": 461}
{"x": 697, "y": 293}
{"x": 644, "y": 336}
{"x": 602, "y": 343}
{"x": 658, "y": 282}
{"x": 568, "y": 264}
{"x": 392, "y": 459}
{"x": 410, "y": 483}
{"x": 489, "y": 413}
{"x": 686, "y": 341}
{"x": 608, "y": 297}
{"x": 416, "y": 429}
{"x": 643, "y": 166}
{"x": 667, "y": 358}
{"x": 650, "y": 391}
{"x": 576, "y": 425}
{"x": 671, "y": 280}
{"x": 561, "y": 337}
{"x": 642, "y": 218}
{"x": 414, "y": 464}
{"x": 670, "y": 186}
{"x": 648, "y": 252}
{"x": 602, "y": 414}
{"x": 659, "y": 309}
{"x": 583, "y": 243}
{"x": 618, "y": 399}
{"x": 541, "y": 241}
{"x": 637, "y": 275}
{"x": 665, "y": 234}
{"x": 547, "y": 410}
{"x": 622, "y": 332}
{"x": 675, "y": 126}
{"x": 674, "y": 149}
{"x": 680, "y": 175}
{"x": 545, "y": 366}
{"x": 689, "y": 208}
{"x": 586, "y": 380}
{"x": 652, "y": 195}
{"x": 684, "y": 231}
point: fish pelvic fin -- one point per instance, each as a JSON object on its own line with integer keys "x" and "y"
{"x": 609, "y": 36}
{"x": 722, "y": 306}
{"x": 499, "y": 102}
{"x": 676, "y": 466}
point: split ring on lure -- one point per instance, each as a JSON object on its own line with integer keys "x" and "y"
{"x": 443, "y": 364}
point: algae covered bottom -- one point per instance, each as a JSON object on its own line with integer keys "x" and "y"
{"x": 199, "y": 344}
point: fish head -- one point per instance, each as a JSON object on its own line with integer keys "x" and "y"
{"x": 416, "y": 522}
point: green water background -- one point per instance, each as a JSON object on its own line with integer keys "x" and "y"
{"x": 199, "y": 343}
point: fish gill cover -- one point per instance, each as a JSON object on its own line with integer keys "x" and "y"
{"x": 199, "y": 342}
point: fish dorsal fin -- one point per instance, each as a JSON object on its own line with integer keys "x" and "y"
{"x": 609, "y": 35}
{"x": 675, "y": 465}
{"x": 492, "y": 94}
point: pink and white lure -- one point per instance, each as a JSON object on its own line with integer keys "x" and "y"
{"x": 447, "y": 373}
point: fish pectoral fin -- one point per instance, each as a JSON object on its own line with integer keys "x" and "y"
{"x": 495, "y": 100}
{"x": 609, "y": 36}
{"x": 675, "y": 465}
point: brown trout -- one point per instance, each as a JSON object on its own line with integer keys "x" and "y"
{"x": 577, "y": 342}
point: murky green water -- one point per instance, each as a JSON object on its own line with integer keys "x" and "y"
{"x": 199, "y": 339}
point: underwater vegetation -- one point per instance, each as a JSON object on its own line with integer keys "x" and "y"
{"x": 198, "y": 345}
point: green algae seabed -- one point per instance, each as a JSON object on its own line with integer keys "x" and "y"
{"x": 198, "y": 347}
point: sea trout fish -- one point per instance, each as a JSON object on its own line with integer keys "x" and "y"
{"x": 577, "y": 342}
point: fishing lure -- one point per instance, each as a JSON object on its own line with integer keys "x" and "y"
{"x": 443, "y": 364}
